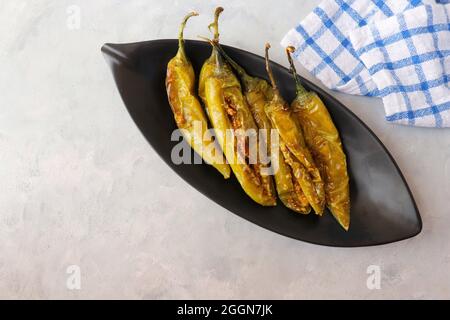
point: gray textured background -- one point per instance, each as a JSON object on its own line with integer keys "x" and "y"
{"x": 80, "y": 185}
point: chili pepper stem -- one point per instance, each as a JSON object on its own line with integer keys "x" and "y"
{"x": 180, "y": 35}
{"x": 268, "y": 69}
{"x": 214, "y": 43}
{"x": 215, "y": 24}
{"x": 272, "y": 79}
{"x": 300, "y": 90}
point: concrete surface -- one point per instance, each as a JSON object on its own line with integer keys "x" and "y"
{"x": 83, "y": 194}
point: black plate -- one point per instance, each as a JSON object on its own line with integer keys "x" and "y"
{"x": 382, "y": 207}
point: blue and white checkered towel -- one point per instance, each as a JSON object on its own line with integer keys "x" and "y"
{"x": 398, "y": 50}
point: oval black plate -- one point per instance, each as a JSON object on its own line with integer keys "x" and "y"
{"x": 383, "y": 209}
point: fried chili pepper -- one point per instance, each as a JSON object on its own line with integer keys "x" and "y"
{"x": 258, "y": 92}
{"x": 228, "y": 112}
{"x": 295, "y": 151}
{"x": 188, "y": 113}
{"x": 322, "y": 138}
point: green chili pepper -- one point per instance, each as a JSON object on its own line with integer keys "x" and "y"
{"x": 322, "y": 138}
{"x": 187, "y": 110}
{"x": 229, "y": 112}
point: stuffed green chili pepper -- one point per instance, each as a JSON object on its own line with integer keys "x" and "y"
{"x": 322, "y": 138}
{"x": 188, "y": 113}
{"x": 229, "y": 113}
